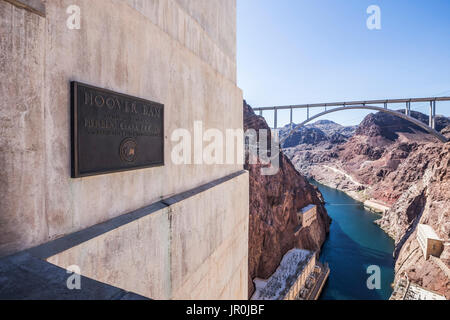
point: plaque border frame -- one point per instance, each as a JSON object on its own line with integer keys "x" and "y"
{"x": 75, "y": 169}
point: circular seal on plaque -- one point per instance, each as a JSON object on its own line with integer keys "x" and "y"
{"x": 128, "y": 150}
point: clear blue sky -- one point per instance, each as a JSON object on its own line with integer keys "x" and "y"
{"x": 310, "y": 51}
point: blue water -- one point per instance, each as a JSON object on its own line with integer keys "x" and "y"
{"x": 354, "y": 244}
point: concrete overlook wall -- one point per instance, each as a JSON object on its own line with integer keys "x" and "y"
{"x": 181, "y": 53}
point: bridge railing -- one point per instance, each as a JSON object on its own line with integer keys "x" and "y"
{"x": 386, "y": 102}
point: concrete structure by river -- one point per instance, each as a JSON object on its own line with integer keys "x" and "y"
{"x": 405, "y": 290}
{"x": 298, "y": 277}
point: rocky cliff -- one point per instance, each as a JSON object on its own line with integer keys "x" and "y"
{"x": 323, "y": 132}
{"x": 274, "y": 203}
{"x": 375, "y": 162}
{"x": 426, "y": 201}
{"x": 394, "y": 162}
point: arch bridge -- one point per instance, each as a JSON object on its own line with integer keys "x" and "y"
{"x": 368, "y": 105}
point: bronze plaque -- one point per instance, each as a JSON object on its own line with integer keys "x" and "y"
{"x": 113, "y": 132}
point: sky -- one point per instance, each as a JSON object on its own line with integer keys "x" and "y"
{"x": 312, "y": 51}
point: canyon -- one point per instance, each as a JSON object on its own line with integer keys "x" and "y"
{"x": 395, "y": 164}
{"x": 274, "y": 203}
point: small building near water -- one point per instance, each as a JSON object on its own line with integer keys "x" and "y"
{"x": 307, "y": 215}
{"x": 429, "y": 241}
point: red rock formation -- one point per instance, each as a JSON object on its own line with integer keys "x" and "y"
{"x": 274, "y": 203}
{"x": 375, "y": 162}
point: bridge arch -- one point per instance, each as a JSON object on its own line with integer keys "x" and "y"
{"x": 418, "y": 123}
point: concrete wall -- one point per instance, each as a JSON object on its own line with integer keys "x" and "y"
{"x": 181, "y": 53}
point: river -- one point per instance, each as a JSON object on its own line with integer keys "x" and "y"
{"x": 354, "y": 244}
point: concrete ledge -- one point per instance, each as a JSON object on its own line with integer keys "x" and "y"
{"x": 34, "y": 6}
{"x": 54, "y": 247}
{"x": 62, "y": 244}
{"x": 39, "y": 273}
{"x": 185, "y": 195}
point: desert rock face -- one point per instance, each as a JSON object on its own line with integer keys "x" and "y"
{"x": 428, "y": 202}
{"x": 392, "y": 161}
{"x": 274, "y": 203}
{"x": 375, "y": 163}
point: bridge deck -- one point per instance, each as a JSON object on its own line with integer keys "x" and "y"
{"x": 352, "y": 103}
{"x": 368, "y": 104}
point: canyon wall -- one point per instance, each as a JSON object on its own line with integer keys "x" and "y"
{"x": 274, "y": 203}
{"x": 374, "y": 163}
{"x": 426, "y": 201}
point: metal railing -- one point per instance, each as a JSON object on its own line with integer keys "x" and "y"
{"x": 361, "y": 104}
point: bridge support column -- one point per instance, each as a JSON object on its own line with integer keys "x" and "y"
{"x": 260, "y": 113}
{"x": 307, "y": 113}
{"x": 433, "y": 114}
{"x": 275, "y": 125}
{"x": 408, "y": 108}
{"x": 292, "y": 122}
